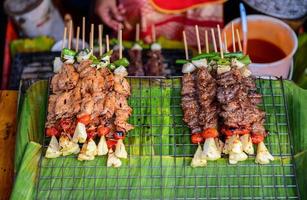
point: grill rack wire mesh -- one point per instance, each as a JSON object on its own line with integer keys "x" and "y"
{"x": 160, "y": 152}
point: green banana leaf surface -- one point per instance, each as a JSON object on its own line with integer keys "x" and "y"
{"x": 160, "y": 152}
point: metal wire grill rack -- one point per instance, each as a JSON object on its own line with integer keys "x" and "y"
{"x": 160, "y": 152}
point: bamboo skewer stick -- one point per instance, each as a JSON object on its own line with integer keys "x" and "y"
{"x": 239, "y": 40}
{"x": 220, "y": 41}
{"x": 185, "y": 45}
{"x": 120, "y": 44}
{"x": 107, "y": 43}
{"x": 153, "y": 32}
{"x": 91, "y": 41}
{"x": 64, "y": 38}
{"x": 213, "y": 40}
{"x": 83, "y": 32}
{"x": 206, "y": 41}
{"x": 225, "y": 42}
{"x": 77, "y": 38}
{"x": 100, "y": 27}
{"x": 69, "y": 34}
{"x": 137, "y": 32}
{"x": 92, "y": 36}
{"x": 198, "y": 39}
{"x": 233, "y": 38}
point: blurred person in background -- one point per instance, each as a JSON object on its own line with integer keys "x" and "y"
{"x": 170, "y": 17}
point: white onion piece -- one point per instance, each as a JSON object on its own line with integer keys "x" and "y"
{"x": 200, "y": 63}
{"x": 198, "y": 160}
{"x": 57, "y": 64}
{"x": 136, "y": 46}
{"x": 84, "y": 55}
{"x": 235, "y": 62}
{"x": 188, "y": 68}
{"x": 263, "y": 155}
{"x": 120, "y": 150}
{"x": 223, "y": 68}
{"x": 245, "y": 72}
{"x": 116, "y": 47}
{"x": 155, "y": 47}
{"x": 121, "y": 71}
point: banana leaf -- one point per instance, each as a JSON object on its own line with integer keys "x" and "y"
{"x": 158, "y": 165}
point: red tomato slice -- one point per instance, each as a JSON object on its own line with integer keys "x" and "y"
{"x": 227, "y": 132}
{"x": 241, "y": 131}
{"x": 210, "y": 133}
{"x": 257, "y": 138}
{"x": 52, "y": 131}
{"x": 197, "y": 138}
{"x": 111, "y": 144}
{"x": 65, "y": 124}
{"x": 84, "y": 119}
{"x": 102, "y": 131}
{"x": 91, "y": 134}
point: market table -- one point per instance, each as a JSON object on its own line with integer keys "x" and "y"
{"x": 8, "y": 107}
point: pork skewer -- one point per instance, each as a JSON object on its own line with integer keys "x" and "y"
{"x": 154, "y": 65}
{"x": 135, "y": 54}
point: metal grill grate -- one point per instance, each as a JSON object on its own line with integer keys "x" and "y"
{"x": 160, "y": 152}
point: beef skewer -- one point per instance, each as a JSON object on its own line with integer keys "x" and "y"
{"x": 135, "y": 54}
{"x": 239, "y": 112}
{"x": 229, "y": 96}
{"x": 154, "y": 65}
{"x": 258, "y": 132}
{"x": 191, "y": 107}
{"x": 208, "y": 118}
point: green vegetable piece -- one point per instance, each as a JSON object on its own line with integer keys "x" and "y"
{"x": 140, "y": 42}
{"x": 205, "y": 55}
{"x": 223, "y": 62}
{"x": 121, "y": 62}
{"x": 68, "y": 52}
{"x": 109, "y": 53}
{"x": 92, "y": 58}
{"x": 113, "y": 41}
{"x": 95, "y": 62}
{"x": 181, "y": 61}
{"x": 111, "y": 66}
{"x": 234, "y": 55}
{"x": 245, "y": 60}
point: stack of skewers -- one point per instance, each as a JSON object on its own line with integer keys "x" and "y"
{"x": 89, "y": 99}
{"x": 154, "y": 65}
{"x": 219, "y": 102}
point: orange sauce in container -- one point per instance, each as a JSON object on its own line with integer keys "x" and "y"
{"x": 261, "y": 51}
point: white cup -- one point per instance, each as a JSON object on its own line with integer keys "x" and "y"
{"x": 271, "y": 30}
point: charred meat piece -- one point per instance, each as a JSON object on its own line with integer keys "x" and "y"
{"x": 65, "y": 80}
{"x": 238, "y": 100}
{"x": 188, "y": 85}
{"x": 109, "y": 105}
{"x": 121, "y": 85}
{"x": 154, "y": 65}
{"x": 115, "y": 55}
{"x": 136, "y": 64}
{"x": 206, "y": 96}
{"x": 189, "y": 102}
